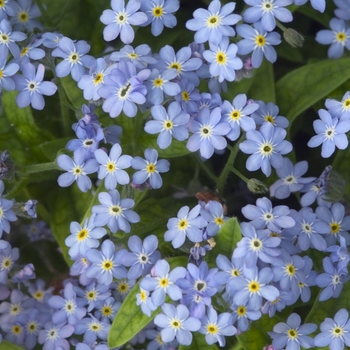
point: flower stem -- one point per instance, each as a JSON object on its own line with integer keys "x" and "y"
{"x": 38, "y": 168}
{"x": 228, "y": 166}
{"x": 204, "y": 166}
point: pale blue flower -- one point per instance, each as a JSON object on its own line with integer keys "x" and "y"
{"x": 120, "y": 19}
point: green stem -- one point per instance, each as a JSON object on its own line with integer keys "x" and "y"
{"x": 38, "y": 168}
{"x": 228, "y": 166}
{"x": 239, "y": 174}
{"x": 206, "y": 168}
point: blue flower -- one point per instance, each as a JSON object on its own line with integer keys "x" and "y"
{"x": 144, "y": 300}
{"x": 338, "y": 223}
{"x": 331, "y": 133}
{"x": 115, "y": 212}
{"x": 159, "y": 13}
{"x": 30, "y": 52}
{"x": 242, "y": 315}
{"x": 198, "y": 287}
{"x": 111, "y": 168}
{"x": 77, "y": 170}
{"x": 187, "y": 224}
{"x": 230, "y": 269}
{"x": 342, "y": 11}
{"x": 308, "y": 229}
{"x": 6, "y": 73}
{"x": 331, "y": 280}
{"x": 53, "y": 336}
{"x": 265, "y": 11}
{"x": 106, "y": 263}
{"x": 213, "y": 24}
{"x": 208, "y": 131}
{"x": 32, "y": 87}
{"x": 319, "y": 5}
{"x": 291, "y": 179}
{"x": 340, "y": 254}
{"x": 339, "y": 109}
{"x": 140, "y": 57}
{"x": 237, "y": 114}
{"x": 106, "y": 308}
{"x": 92, "y": 329}
{"x": 168, "y": 124}
{"x": 25, "y": 274}
{"x": 258, "y": 41}
{"x": 263, "y": 215}
{"x": 266, "y": 147}
{"x": 188, "y": 96}
{"x": 269, "y": 113}
{"x": 223, "y": 60}
{"x": 160, "y": 84}
{"x": 93, "y": 293}
{"x": 122, "y": 89}
{"x": 162, "y": 282}
{"x": 23, "y": 19}
{"x": 120, "y": 19}
{"x": 183, "y": 61}
{"x": 213, "y": 213}
{"x": 338, "y": 37}
{"x": 91, "y": 82}
{"x": 216, "y": 328}
{"x": 69, "y": 307}
{"x": 291, "y": 335}
{"x": 8, "y": 39}
{"x": 142, "y": 256}
{"x": 250, "y": 288}
{"x": 6, "y": 214}
{"x": 256, "y": 244}
{"x": 74, "y": 58}
{"x": 334, "y": 332}
{"x": 149, "y": 169}
{"x": 177, "y": 323}
{"x": 288, "y": 271}
{"x": 83, "y": 238}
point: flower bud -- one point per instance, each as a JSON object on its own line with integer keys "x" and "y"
{"x": 256, "y": 186}
{"x": 293, "y": 38}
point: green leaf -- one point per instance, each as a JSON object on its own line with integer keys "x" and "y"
{"x": 226, "y": 240}
{"x": 19, "y": 122}
{"x": 74, "y": 94}
{"x": 198, "y": 343}
{"x": 5, "y": 345}
{"x": 130, "y": 319}
{"x": 303, "y": 87}
{"x": 263, "y": 87}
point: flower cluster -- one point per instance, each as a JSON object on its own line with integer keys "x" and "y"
{"x": 145, "y": 266}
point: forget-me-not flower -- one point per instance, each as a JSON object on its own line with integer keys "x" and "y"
{"x": 338, "y": 37}
{"x": 120, "y": 18}
{"x": 168, "y": 123}
{"x": 149, "y": 169}
{"x": 266, "y": 146}
{"x": 213, "y": 24}
{"x": 335, "y": 332}
{"x": 208, "y": 132}
{"x": 258, "y": 41}
{"x": 265, "y": 11}
{"x": 177, "y": 323}
{"x": 112, "y": 165}
{"x": 106, "y": 263}
{"x": 114, "y": 212}
{"x": 32, "y": 87}
{"x": 74, "y": 56}
{"x": 160, "y": 14}
{"x": 291, "y": 335}
{"x": 331, "y": 133}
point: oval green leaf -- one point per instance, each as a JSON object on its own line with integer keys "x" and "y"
{"x": 5, "y": 345}
{"x": 303, "y": 87}
{"x": 226, "y": 240}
